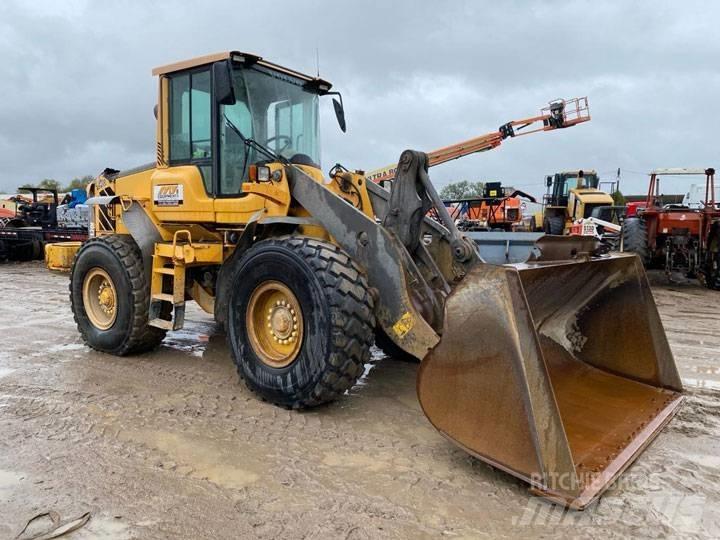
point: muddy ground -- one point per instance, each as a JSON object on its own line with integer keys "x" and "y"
{"x": 170, "y": 445}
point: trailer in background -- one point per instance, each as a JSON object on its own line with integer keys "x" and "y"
{"x": 42, "y": 220}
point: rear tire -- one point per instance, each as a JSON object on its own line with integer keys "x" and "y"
{"x": 635, "y": 238}
{"x": 712, "y": 266}
{"x": 554, "y": 225}
{"x": 32, "y": 250}
{"x": 329, "y": 295}
{"x": 712, "y": 276}
{"x": 117, "y": 258}
{"x": 21, "y": 252}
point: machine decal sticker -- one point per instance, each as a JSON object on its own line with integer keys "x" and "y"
{"x": 403, "y": 325}
{"x": 168, "y": 195}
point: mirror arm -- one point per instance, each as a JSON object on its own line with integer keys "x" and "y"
{"x": 338, "y": 94}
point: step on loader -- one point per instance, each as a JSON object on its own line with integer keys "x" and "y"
{"x": 555, "y": 369}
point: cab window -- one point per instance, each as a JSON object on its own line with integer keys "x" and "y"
{"x": 273, "y": 110}
{"x": 570, "y": 183}
{"x": 190, "y": 121}
{"x": 235, "y": 156}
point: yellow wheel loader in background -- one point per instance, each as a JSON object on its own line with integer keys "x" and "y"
{"x": 572, "y": 195}
{"x": 556, "y": 370}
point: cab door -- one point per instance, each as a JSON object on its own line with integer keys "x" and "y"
{"x": 233, "y": 159}
{"x": 183, "y": 192}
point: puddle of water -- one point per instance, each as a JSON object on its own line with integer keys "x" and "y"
{"x": 188, "y": 341}
{"x": 368, "y": 368}
{"x": 5, "y": 371}
{"x": 701, "y": 383}
{"x": 8, "y": 480}
{"x": 354, "y": 461}
{"x": 705, "y": 459}
{"x": 104, "y": 528}
{"x": 203, "y": 459}
{"x": 66, "y": 347}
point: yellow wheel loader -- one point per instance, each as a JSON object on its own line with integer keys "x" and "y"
{"x": 556, "y": 369}
{"x": 572, "y": 195}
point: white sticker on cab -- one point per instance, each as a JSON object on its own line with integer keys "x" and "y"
{"x": 168, "y": 195}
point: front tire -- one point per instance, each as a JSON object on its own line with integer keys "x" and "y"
{"x": 554, "y": 225}
{"x": 712, "y": 276}
{"x": 300, "y": 321}
{"x": 635, "y": 238}
{"x": 712, "y": 265}
{"x": 110, "y": 297}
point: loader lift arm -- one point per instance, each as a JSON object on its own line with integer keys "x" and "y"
{"x": 559, "y": 114}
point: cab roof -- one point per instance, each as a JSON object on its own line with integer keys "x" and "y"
{"x": 678, "y": 171}
{"x": 585, "y": 172}
{"x": 240, "y": 58}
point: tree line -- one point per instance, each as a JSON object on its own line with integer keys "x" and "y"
{"x": 466, "y": 190}
{"x": 80, "y": 182}
{"x": 462, "y": 190}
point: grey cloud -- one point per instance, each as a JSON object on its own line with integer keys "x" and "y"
{"x": 77, "y": 92}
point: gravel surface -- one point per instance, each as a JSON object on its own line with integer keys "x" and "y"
{"x": 170, "y": 445}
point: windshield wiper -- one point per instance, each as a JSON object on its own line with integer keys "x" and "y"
{"x": 252, "y": 143}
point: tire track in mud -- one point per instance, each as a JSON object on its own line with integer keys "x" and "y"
{"x": 172, "y": 443}
{"x": 80, "y": 418}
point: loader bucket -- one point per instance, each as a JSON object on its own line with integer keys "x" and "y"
{"x": 558, "y": 373}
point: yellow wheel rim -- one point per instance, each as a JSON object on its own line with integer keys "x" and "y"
{"x": 275, "y": 324}
{"x": 100, "y": 298}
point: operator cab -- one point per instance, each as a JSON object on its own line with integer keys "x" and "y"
{"x": 563, "y": 183}
{"x": 40, "y": 212}
{"x": 224, "y": 111}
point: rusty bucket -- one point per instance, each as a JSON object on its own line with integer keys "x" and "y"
{"x": 558, "y": 373}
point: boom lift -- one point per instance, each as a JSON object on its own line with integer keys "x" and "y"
{"x": 556, "y": 370}
{"x": 559, "y": 114}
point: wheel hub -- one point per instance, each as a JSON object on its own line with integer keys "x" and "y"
{"x": 100, "y": 298}
{"x": 274, "y": 324}
{"x": 282, "y": 322}
{"x": 106, "y": 298}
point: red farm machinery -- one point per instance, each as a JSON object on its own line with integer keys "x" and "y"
{"x": 676, "y": 237}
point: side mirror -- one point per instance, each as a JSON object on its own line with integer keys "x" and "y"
{"x": 339, "y": 110}
{"x": 548, "y": 181}
{"x": 223, "y": 83}
{"x": 340, "y": 114}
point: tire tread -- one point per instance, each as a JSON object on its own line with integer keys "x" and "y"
{"x": 635, "y": 238}
{"x": 351, "y": 319}
{"x": 141, "y": 337}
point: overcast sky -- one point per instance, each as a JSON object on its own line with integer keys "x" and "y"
{"x": 77, "y": 92}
